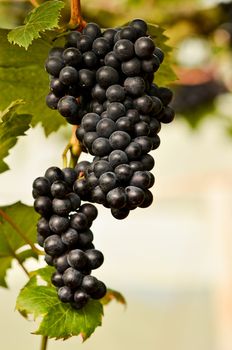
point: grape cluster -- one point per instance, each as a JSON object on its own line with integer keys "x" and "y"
{"x": 63, "y": 230}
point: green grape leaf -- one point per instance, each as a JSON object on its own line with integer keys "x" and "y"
{"x": 17, "y": 229}
{"x": 23, "y": 77}
{"x": 12, "y": 125}
{"x": 113, "y": 295}
{"x": 165, "y": 74}
{"x": 58, "y": 320}
{"x": 42, "y": 18}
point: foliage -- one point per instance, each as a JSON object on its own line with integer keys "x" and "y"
{"x": 12, "y": 125}
{"x": 59, "y": 320}
{"x": 17, "y": 229}
{"x": 40, "y": 19}
{"x": 23, "y": 77}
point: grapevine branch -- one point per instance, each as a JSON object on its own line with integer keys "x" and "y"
{"x": 75, "y": 149}
{"x": 34, "y": 3}
{"x": 6, "y": 217}
{"x": 76, "y": 19}
{"x": 44, "y": 341}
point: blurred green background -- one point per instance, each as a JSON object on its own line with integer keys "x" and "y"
{"x": 173, "y": 261}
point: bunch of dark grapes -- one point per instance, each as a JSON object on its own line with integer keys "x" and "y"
{"x": 64, "y": 232}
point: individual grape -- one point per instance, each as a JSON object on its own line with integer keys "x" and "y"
{"x": 58, "y": 224}
{"x": 140, "y": 179}
{"x": 117, "y": 157}
{"x": 56, "y": 52}
{"x": 89, "y": 284}
{"x": 53, "y": 245}
{"x": 85, "y": 239}
{"x": 80, "y": 299}
{"x": 112, "y": 61}
{"x": 68, "y": 75}
{"x": 144, "y": 47}
{"x": 140, "y": 26}
{"x": 141, "y": 129}
{"x": 57, "y": 279}
{"x": 148, "y": 199}
{"x": 145, "y": 143}
{"x": 59, "y": 189}
{"x": 159, "y": 53}
{"x": 150, "y": 65}
{"x": 72, "y": 38}
{"x": 155, "y": 126}
{"x": 135, "y": 195}
{"x": 133, "y": 115}
{"x": 143, "y": 104}
{"x": 116, "y": 198}
{"x": 43, "y": 205}
{"x": 124, "y": 124}
{"x": 123, "y": 172}
{"x": 165, "y": 95}
{"x": 167, "y": 115}
{"x": 105, "y": 127}
{"x": 155, "y": 141}
{"x": 129, "y": 33}
{"x": 70, "y": 237}
{"x": 86, "y": 78}
{"x": 57, "y": 87}
{"x": 156, "y": 106}
{"x": 101, "y": 167}
{"x": 98, "y": 196}
{"x": 89, "y": 210}
{"x": 77, "y": 259}
{"x": 90, "y": 59}
{"x": 82, "y": 167}
{"x": 72, "y": 278}
{"x": 48, "y": 259}
{"x": 54, "y": 65}
{"x": 84, "y": 43}
{"x": 43, "y": 227}
{"x": 101, "y": 147}
{"x": 70, "y": 175}
{"x": 107, "y": 181}
{"x": 52, "y": 100}
{"x": 107, "y": 76}
{"x": 116, "y": 110}
{"x": 79, "y": 222}
{"x": 68, "y": 107}
{"x": 98, "y": 93}
{"x": 132, "y": 67}
{"x": 109, "y": 35}
{"x": 61, "y": 206}
{"x": 92, "y": 30}
{"x": 119, "y": 140}
{"x": 120, "y": 214}
{"x": 65, "y": 294}
{"x": 133, "y": 151}
{"x": 90, "y": 121}
{"x": 72, "y": 56}
{"x": 95, "y": 258}
{"x": 136, "y": 165}
{"x": 134, "y": 86}
{"x": 89, "y": 138}
{"x": 124, "y": 49}
{"x": 42, "y": 186}
{"x": 100, "y": 292}
{"x": 101, "y": 46}
{"x": 92, "y": 181}
{"x": 147, "y": 161}
{"x": 61, "y": 263}
{"x": 115, "y": 93}
{"x": 40, "y": 239}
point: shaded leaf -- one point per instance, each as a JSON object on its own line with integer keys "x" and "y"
{"x": 42, "y": 18}
{"x": 59, "y": 320}
{"x": 113, "y": 295}
{"x": 165, "y": 74}
{"x": 22, "y": 76}
{"x": 12, "y": 125}
{"x": 17, "y": 229}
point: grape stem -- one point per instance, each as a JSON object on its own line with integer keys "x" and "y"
{"x": 7, "y": 218}
{"x": 76, "y": 19}
{"x": 34, "y": 3}
{"x": 44, "y": 342}
{"x": 75, "y": 149}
